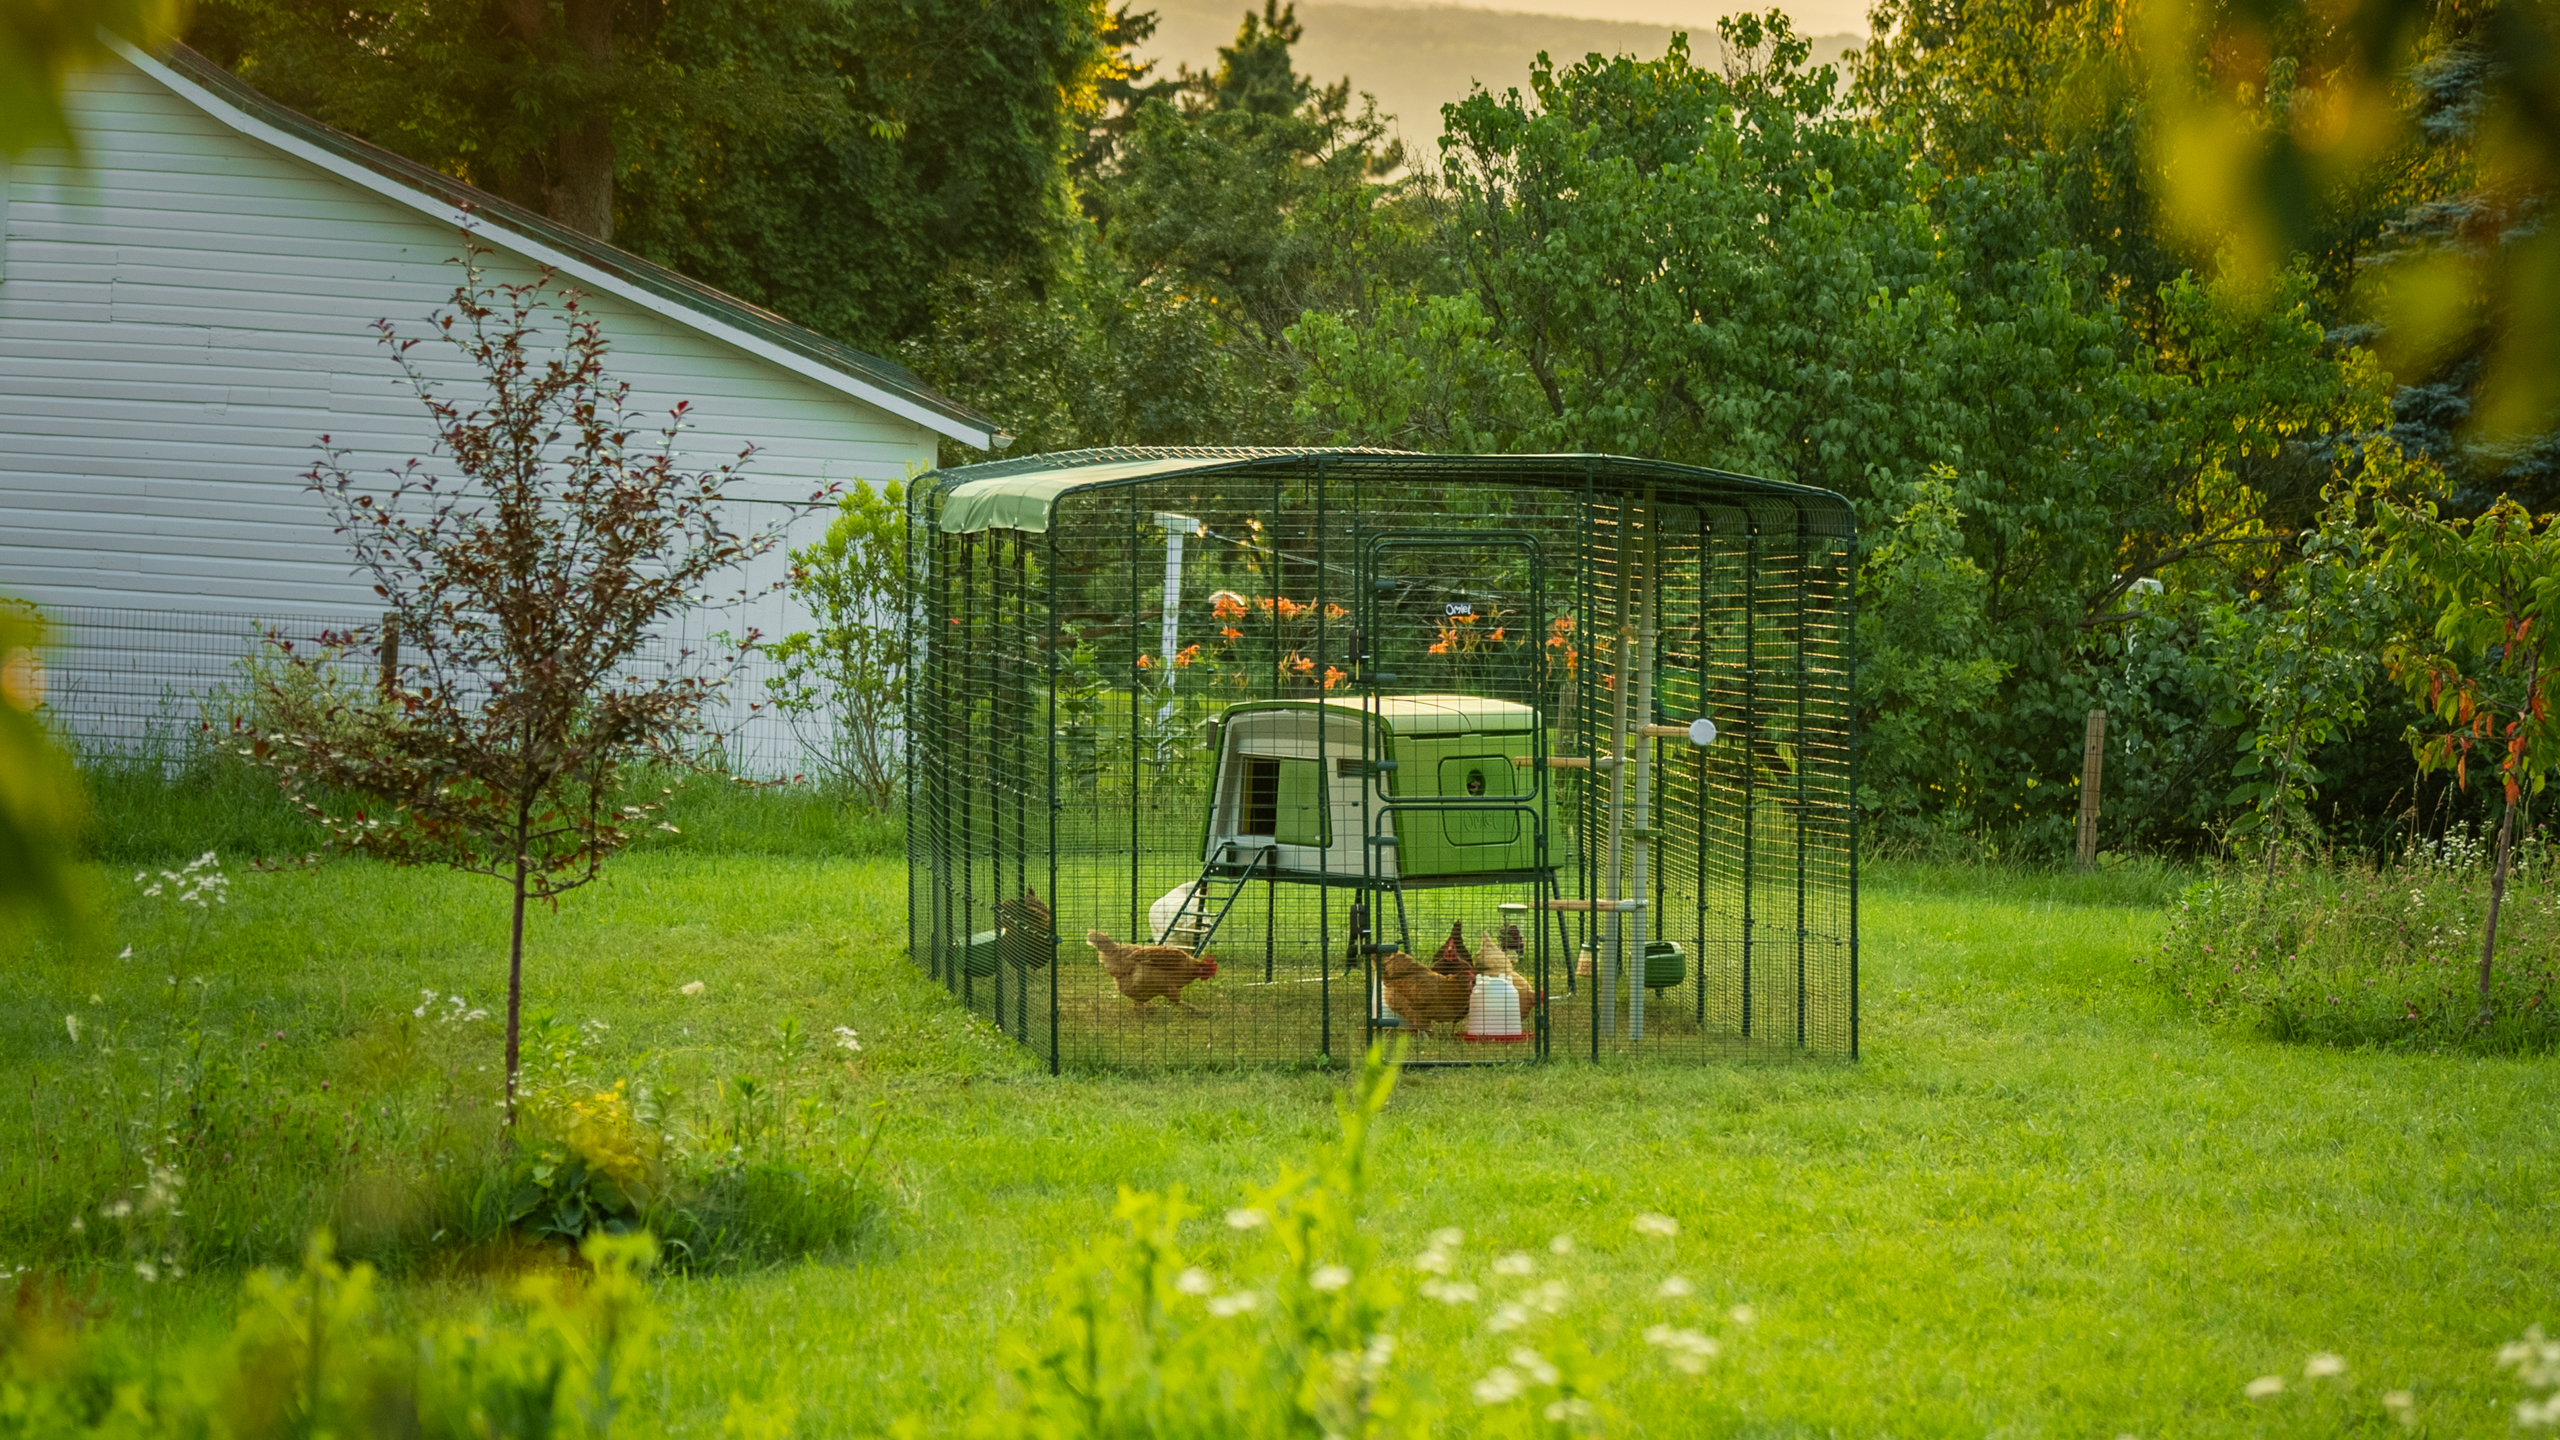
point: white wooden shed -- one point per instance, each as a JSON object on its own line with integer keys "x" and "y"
{"x": 186, "y": 307}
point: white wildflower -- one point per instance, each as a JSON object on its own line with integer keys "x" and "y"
{"x": 1515, "y": 1263}
{"x": 1572, "y": 1407}
{"x": 1549, "y": 1296}
{"x": 1675, "y": 1287}
{"x": 690, "y": 987}
{"x": 148, "y": 1271}
{"x": 1194, "y": 1281}
{"x": 847, "y": 1040}
{"x": 1246, "y": 1219}
{"x": 1239, "y": 1303}
{"x": 1449, "y": 1292}
{"x": 125, "y": 954}
{"x": 1448, "y": 1237}
{"x": 1561, "y": 1245}
{"x": 1686, "y": 1349}
{"x": 2264, "y": 1386}
{"x": 72, "y": 1024}
{"x": 1500, "y": 1386}
{"x": 2402, "y": 1405}
{"x": 1507, "y": 1319}
{"x": 1538, "y": 1367}
{"x": 1432, "y": 1262}
{"x": 1663, "y": 1226}
{"x": 1742, "y": 1314}
{"x": 2323, "y": 1365}
{"x": 1329, "y": 1278}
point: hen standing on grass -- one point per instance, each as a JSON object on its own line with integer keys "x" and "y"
{"x": 1145, "y": 972}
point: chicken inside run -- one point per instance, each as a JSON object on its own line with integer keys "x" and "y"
{"x": 1248, "y": 757}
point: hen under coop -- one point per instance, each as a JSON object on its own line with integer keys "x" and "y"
{"x": 1246, "y": 757}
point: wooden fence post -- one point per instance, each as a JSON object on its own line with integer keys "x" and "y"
{"x": 2093, "y": 760}
{"x": 390, "y": 651}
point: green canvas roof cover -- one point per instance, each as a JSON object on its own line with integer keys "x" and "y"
{"x": 1022, "y": 495}
{"x": 1023, "y": 502}
{"x": 1422, "y": 714}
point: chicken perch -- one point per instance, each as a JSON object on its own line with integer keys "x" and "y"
{"x": 1147, "y": 972}
{"x": 1423, "y": 997}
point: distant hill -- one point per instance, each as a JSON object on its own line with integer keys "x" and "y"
{"x": 1416, "y": 58}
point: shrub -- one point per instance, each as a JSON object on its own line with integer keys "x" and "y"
{"x": 2345, "y": 953}
{"x": 307, "y": 1355}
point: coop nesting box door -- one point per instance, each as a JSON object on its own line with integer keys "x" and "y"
{"x": 1300, "y": 819}
{"x": 1479, "y": 777}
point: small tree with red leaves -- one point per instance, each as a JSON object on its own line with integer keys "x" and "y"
{"x": 2484, "y": 670}
{"x": 523, "y": 568}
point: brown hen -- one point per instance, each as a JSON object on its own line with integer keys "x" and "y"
{"x": 1149, "y": 972}
{"x": 1423, "y": 997}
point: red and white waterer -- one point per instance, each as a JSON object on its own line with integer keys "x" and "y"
{"x": 1493, "y": 1012}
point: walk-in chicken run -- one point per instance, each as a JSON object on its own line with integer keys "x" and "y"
{"x": 1247, "y": 757}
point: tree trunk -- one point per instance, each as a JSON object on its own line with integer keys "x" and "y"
{"x": 582, "y": 170}
{"x": 515, "y": 986}
{"x": 2497, "y": 894}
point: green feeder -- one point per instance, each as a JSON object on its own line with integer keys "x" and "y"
{"x": 1665, "y": 964}
{"x": 986, "y": 946}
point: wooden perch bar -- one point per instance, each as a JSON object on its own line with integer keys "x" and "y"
{"x": 1602, "y": 906}
{"x": 1565, "y": 762}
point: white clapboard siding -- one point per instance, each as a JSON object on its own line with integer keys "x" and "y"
{"x": 187, "y": 308}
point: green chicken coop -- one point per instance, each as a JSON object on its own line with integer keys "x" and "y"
{"x": 1576, "y": 731}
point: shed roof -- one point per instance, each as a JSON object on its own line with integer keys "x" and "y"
{"x": 1023, "y": 495}
{"x": 591, "y": 262}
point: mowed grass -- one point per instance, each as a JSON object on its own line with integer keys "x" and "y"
{"x": 2046, "y": 1202}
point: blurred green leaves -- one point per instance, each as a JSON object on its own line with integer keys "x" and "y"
{"x": 43, "y": 41}
{"x": 41, "y": 803}
{"x": 2263, "y": 112}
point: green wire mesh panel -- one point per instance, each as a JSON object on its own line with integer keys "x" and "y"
{"x": 1347, "y": 717}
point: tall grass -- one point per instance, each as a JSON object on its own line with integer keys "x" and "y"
{"x": 2348, "y": 952}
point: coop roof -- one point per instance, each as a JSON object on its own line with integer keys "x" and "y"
{"x": 1421, "y": 714}
{"x": 1023, "y": 494}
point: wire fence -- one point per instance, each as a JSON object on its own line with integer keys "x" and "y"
{"x": 1239, "y": 758}
{"x": 144, "y": 684}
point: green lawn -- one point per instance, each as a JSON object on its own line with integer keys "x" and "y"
{"x": 2045, "y": 1203}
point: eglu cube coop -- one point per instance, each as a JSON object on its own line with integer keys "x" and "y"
{"x": 1245, "y": 757}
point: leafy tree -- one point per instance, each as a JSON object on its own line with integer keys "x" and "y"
{"x": 828, "y": 160}
{"x": 2484, "y": 669}
{"x": 1740, "y": 270}
{"x": 2308, "y": 660}
{"x": 1925, "y": 661}
{"x": 1221, "y": 207}
{"x": 845, "y": 679}
{"x": 525, "y": 568}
